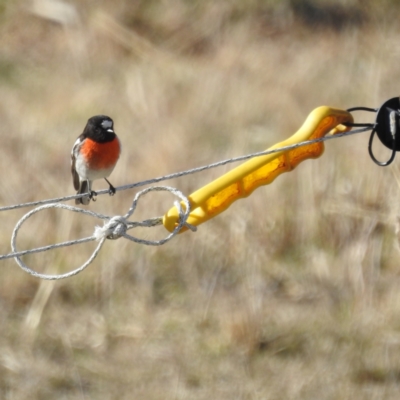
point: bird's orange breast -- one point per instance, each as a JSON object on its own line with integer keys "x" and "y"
{"x": 100, "y": 155}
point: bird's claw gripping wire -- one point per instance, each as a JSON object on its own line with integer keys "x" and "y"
{"x": 111, "y": 189}
{"x": 92, "y": 195}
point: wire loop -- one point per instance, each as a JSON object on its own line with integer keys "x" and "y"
{"x": 114, "y": 228}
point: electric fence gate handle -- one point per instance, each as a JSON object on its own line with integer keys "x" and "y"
{"x": 218, "y": 195}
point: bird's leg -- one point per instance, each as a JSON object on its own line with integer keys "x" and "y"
{"x": 111, "y": 190}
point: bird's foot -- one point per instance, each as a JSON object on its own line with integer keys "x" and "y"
{"x": 111, "y": 190}
{"x": 92, "y": 195}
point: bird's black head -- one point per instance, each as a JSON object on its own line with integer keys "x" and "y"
{"x": 100, "y": 128}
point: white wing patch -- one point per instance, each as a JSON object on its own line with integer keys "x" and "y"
{"x": 76, "y": 147}
{"x": 107, "y": 124}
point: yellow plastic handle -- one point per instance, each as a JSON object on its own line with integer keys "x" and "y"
{"x": 240, "y": 182}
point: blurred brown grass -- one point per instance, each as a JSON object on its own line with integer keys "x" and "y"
{"x": 292, "y": 293}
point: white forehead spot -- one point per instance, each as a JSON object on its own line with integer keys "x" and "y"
{"x": 106, "y": 124}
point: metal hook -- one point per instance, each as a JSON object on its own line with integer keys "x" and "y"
{"x": 362, "y": 109}
{"x": 362, "y": 124}
{"x": 380, "y": 163}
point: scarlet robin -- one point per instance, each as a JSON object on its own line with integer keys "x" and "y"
{"x": 94, "y": 156}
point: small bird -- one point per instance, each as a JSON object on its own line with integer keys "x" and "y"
{"x": 94, "y": 155}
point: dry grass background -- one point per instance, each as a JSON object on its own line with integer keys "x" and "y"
{"x": 293, "y": 293}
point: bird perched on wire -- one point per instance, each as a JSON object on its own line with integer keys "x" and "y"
{"x": 94, "y": 156}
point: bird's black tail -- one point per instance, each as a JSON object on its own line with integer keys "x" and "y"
{"x": 84, "y": 188}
